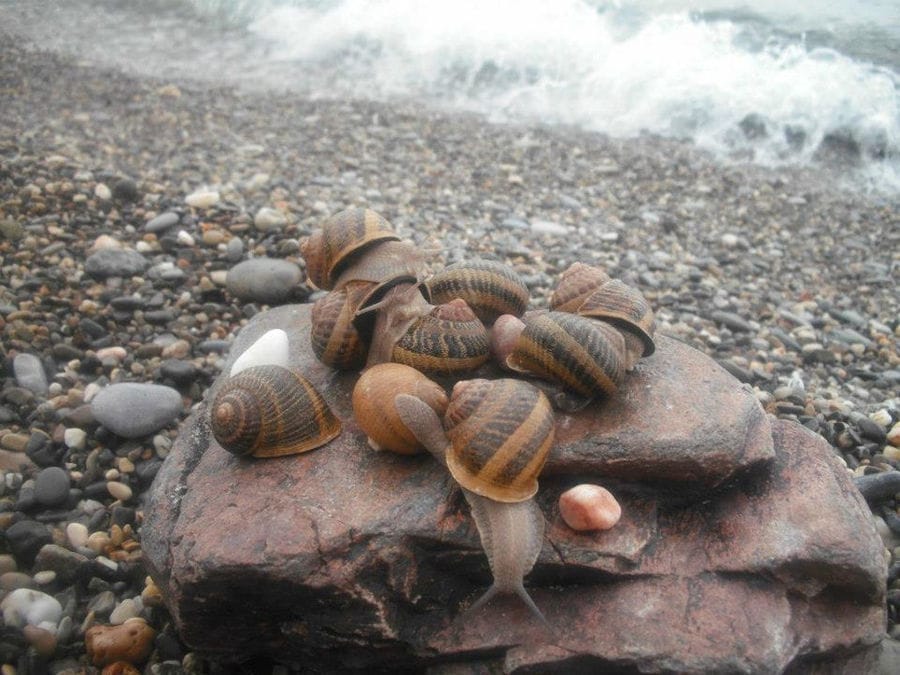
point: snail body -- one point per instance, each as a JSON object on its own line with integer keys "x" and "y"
{"x": 517, "y": 415}
{"x": 270, "y": 411}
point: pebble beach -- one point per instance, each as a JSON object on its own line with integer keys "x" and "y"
{"x": 143, "y": 222}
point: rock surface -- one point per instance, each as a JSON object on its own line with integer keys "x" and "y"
{"x": 357, "y": 559}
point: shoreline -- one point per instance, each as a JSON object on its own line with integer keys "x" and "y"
{"x": 773, "y": 272}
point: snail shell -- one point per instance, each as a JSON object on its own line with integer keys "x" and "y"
{"x": 626, "y": 308}
{"x": 575, "y": 284}
{"x": 386, "y": 263}
{"x": 329, "y": 250}
{"x": 449, "y": 339}
{"x": 336, "y": 342}
{"x": 375, "y": 410}
{"x": 587, "y": 357}
{"x": 490, "y": 288}
{"x": 500, "y": 432}
{"x": 269, "y": 411}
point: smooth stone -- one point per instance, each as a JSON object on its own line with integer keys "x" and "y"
{"x": 234, "y": 249}
{"x": 51, "y": 486}
{"x": 731, "y": 320}
{"x": 75, "y": 438}
{"x": 43, "y": 640}
{"x": 77, "y": 535}
{"x": 879, "y": 487}
{"x": 136, "y": 409}
{"x": 25, "y": 538}
{"x": 265, "y": 280}
{"x": 115, "y": 263}
{"x": 30, "y": 374}
{"x": 131, "y": 642}
{"x": 119, "y": 490}
{"x": 272, "y": 348}
{"x": 723, "y": 539}
{"x": 25, "y": 606}
{"x": 202, "y": 199}
{"x": 162, "y": 222}
{"x": 127, "y": 609}
{"x": 267, "y": 219}
{"x": 68, "y": 565}
{"x": 125, "y": 190}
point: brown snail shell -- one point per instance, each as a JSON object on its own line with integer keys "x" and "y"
{"x": 586, "y": 357}
{"x": 375, "y": 410}
{"x": 490, "y": 288}
{"x": 575, "y": 284}
{"x": 336, "y": 342}
{"x": 625, "y": 307}
{"x": 386, "y": 263}
{"x": 269, "y": 411}
{"x": 449, "y": 339}
{"x": 500, "y": 432}
{"x": 342, "y": 237}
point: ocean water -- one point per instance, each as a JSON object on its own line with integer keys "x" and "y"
{"x": 770, "y": 82}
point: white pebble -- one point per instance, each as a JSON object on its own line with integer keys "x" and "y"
{"x": 90, "y": 391}
{"x": 44, "y": 577}
{"x": 116, "y": 354}
{"x": 77, "y": 534}
{"x": 202, "y": 199}
{"x": 105, "y": 241}
{"x": 127, "y": 609}
{"x": 269, "y": 219}
{"x": 893, "y": 436}
{"x": 119, "y": 490}
{"x": 26, "y": 606}
{"x": 75, "y": 438}
{"x": 881, "y": 417}
{"x": 184, "y": 238}
{"x": 143, "y": 247}
{"x": 101, "y": 191}
{"x": 271, "y": 348}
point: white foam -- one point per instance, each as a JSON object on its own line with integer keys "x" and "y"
{"x": 566, "y": 62}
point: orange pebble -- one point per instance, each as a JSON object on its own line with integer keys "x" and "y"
{"x": 131, "y": 641}
{"x": 589, "y": 507}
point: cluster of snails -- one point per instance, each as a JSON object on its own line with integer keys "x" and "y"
{"x": 384, "y": 315}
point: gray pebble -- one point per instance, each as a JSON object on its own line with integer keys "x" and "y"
{"x": 162, "y": 222}
{"x": 878, "y": 487}
{"x": 68, "y": 565}
{"x": 134, "y": 410}
{"x": 731, "y": 320}
{"x": 234, "y": 249}
{"x": 264, "y": 280}
{"x": 30, "y": 373}
{"x": 115, "y": 262}
{"x": 51, "y": 486}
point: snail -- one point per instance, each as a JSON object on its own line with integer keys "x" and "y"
{"x": 494, "y": 440}
{"x": 335, "y": 339}
{"x": 269, "y": 411}
{"x": 490, "y": 288}
{"x": 584, "y": 356}
{"x": 587, "y": 507}
{"x": 588, "y": 291}
{"x": 376, "y": 413}
{"x": 343, "y": 236}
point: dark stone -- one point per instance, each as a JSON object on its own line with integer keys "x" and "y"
{"x": 754, "y": 126}
{"x": 125, "y": 190}
{"x": 68, "y": 565}
{"x": 51, "y": 486}
{"x": 25, "y": 539}
{"x": 179, "y": 371}
{"x": 43, "y": 451}
{"x": 114, "y": 262}
{"x": 748, "y": 549}
{"x": 878, "y": 487}
{"x": 122, "y": 516}
{"x": 732, "y": 321}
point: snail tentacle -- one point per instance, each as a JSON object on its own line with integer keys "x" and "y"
{"x": 424, "y": 423}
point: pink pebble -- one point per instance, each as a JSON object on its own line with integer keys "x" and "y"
{"x": 589, "y": 507}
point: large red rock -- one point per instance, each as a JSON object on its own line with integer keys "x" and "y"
{"x": 344, "y": 558}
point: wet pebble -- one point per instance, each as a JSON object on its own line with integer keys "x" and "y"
{"x": 131, "y": 641}
{"x": 162, "y": 222}
{"x": 51, "y": 486}
{"x": 26, "y": 606}
{"x": 115, "y": 263}
{"x": 264, "y": 280}
{"x": 878, "y": 487}
{"x": 136, "y": 409}
{"x": 29, "y": 372}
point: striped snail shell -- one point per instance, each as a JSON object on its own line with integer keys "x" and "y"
{"x": 336, "y": 342}
{"x": 625, "y": 307}
{"x": 269, "y": 411}
{"x": 375, "y": 411}
{"x": 584, "y": 356}
{"x": 494, "y": 439}
{"x": 342, "y": 237}
{"x": 447, "y": 340}
{"x": 500, "y": 433}
{"x": 576, "y": 283}
{"x": 490, "y": 288}
{"x": 386, "y": 263}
